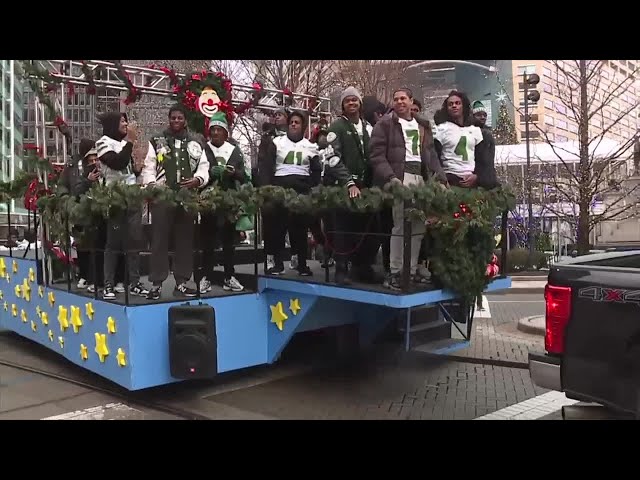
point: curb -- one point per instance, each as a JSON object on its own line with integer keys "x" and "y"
{"x": 515, "y": 290}
{"x": 532, "y": 325}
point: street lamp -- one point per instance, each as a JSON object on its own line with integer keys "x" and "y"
{"x": 530, "y": 95}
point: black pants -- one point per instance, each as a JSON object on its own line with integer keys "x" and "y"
{"x": 215, "y": 229}
{"x": 277, "y": 221}
{"x": 91, "y": 255}
{"x": 124, "y": 233}
{"x": 353, "y": 240}
{"x": 386, "y": 225}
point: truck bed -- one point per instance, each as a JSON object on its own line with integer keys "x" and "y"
{"x": 600, "y": 361}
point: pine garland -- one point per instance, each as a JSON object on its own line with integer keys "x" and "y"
{"x": 463, "y": 236}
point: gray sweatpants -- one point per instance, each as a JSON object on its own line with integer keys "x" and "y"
{"x": 169, "y": 220}
{"x": 418, "y": 230}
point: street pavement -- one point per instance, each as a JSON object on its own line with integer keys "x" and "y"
{"x": 385, "y": 383}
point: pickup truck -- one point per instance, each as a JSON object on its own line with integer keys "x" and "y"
{"x": 592, "y": 338}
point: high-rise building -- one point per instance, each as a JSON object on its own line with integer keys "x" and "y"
{"x": 11, "y": 118}
{"x": 613, "y": 87}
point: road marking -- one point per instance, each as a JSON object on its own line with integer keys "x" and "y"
{"x": 516, "y": 301}
{"x": 532, "y": 409}
{"x": 111, "y": 411}
{"x": 486, "y": 310}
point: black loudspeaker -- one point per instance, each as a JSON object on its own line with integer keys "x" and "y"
{"x": 193, "y": 345}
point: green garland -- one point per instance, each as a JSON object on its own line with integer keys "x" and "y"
{"x": 463, "y": 235}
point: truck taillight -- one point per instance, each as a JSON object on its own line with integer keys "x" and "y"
{"x": 558, "y": 312}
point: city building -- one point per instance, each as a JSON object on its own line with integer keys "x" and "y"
{"x": 619, "y": 115}
{"x": 11, "y": 141}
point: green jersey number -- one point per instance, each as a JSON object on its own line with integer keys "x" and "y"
{"x": 461, "y": 148}
{"x": 290, "y": 160}
{"x": 414, "y": 135}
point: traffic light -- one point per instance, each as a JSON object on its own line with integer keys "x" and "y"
{"x": 531, "y": 81}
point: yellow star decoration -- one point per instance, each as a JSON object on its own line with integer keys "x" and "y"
{"x": 111, "y": 325}
{"x": 84, "y": 351}
{"x": 6, "y": 306}
{"x": 38, "y": 311}
{"x": 76, "y": 318}
{"x": 26, "y": 290}
{"x": 23, "y": 315}
{"x": 34, "y": 326}
{"x": 32, "y": 275}
{"x": 1, "y": 295}
{"x": 18, "y": 291}
{"x": 52, "y": 298}
{"x": 44, "y": 317}
{"x": 41, "y": 291}
{"x": 7, "y": 278}
{"x": 101, "y": 346}
{"x": 15, "y": 267}
{"x": 62, "y": 318}
{"x": 294, "y": 305}
{"x": 61, "y": 341}
{"x": 89, "y": 310}
{"x": 3, "y": 268}
{"x": 122, "y": 358}
{"x": 14, "y": 310}
{"x": 50, "y": 334}
{"x": 277, "y": 315}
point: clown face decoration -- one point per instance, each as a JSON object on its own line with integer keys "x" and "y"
{"x": 208, "y": 102}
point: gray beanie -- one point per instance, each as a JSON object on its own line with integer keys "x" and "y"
{"x": 350, "y": 92}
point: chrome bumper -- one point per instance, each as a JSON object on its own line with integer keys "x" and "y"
{"x": 545, "y": 371}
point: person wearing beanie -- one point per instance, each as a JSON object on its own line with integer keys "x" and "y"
{"x": 291, "y": 162}
{"x": 124, "y": 230}
{"x": 227, "y": 169}
{"x": 175, "y": 160}
{"x": 349, "y": 138}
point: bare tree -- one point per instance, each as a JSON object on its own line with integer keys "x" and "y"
{"x": 592, "y": 171}
{"x": 373, "y": 77}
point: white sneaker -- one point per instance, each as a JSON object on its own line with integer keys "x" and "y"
{"x": 232, "y": 284}
{"x": 91, "y": 288}
{"x": 205, "y": 285}
{"x": 271, "y": 262}
{"x": 82, "y": 283}
{"x": 293, "y": 264}
{"x": 119, "y": 288}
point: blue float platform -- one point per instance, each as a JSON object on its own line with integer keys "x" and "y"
{"x": 129, "y": 344}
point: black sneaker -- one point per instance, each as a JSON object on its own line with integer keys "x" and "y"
{"x": 276, "y": 270}
{"x": 138, "y": 290}
{"x": 108, "y": 293}
{"x": 183, "y": 290}
{"x": 154, "y": 293}
{"x": 304, "y": 270}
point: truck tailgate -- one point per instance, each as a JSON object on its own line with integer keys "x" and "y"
{"x": 601, "y": 361}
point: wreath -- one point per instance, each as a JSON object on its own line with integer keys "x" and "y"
{"x": 204, "y": 94}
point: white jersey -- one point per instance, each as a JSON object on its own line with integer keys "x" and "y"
{"x": 107, "y": 144}
{"x": 411, "y": 134}
{"x": 458, "y": 147}
{"x": 222, "y": 153}
{"x": 293, "y": 158}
